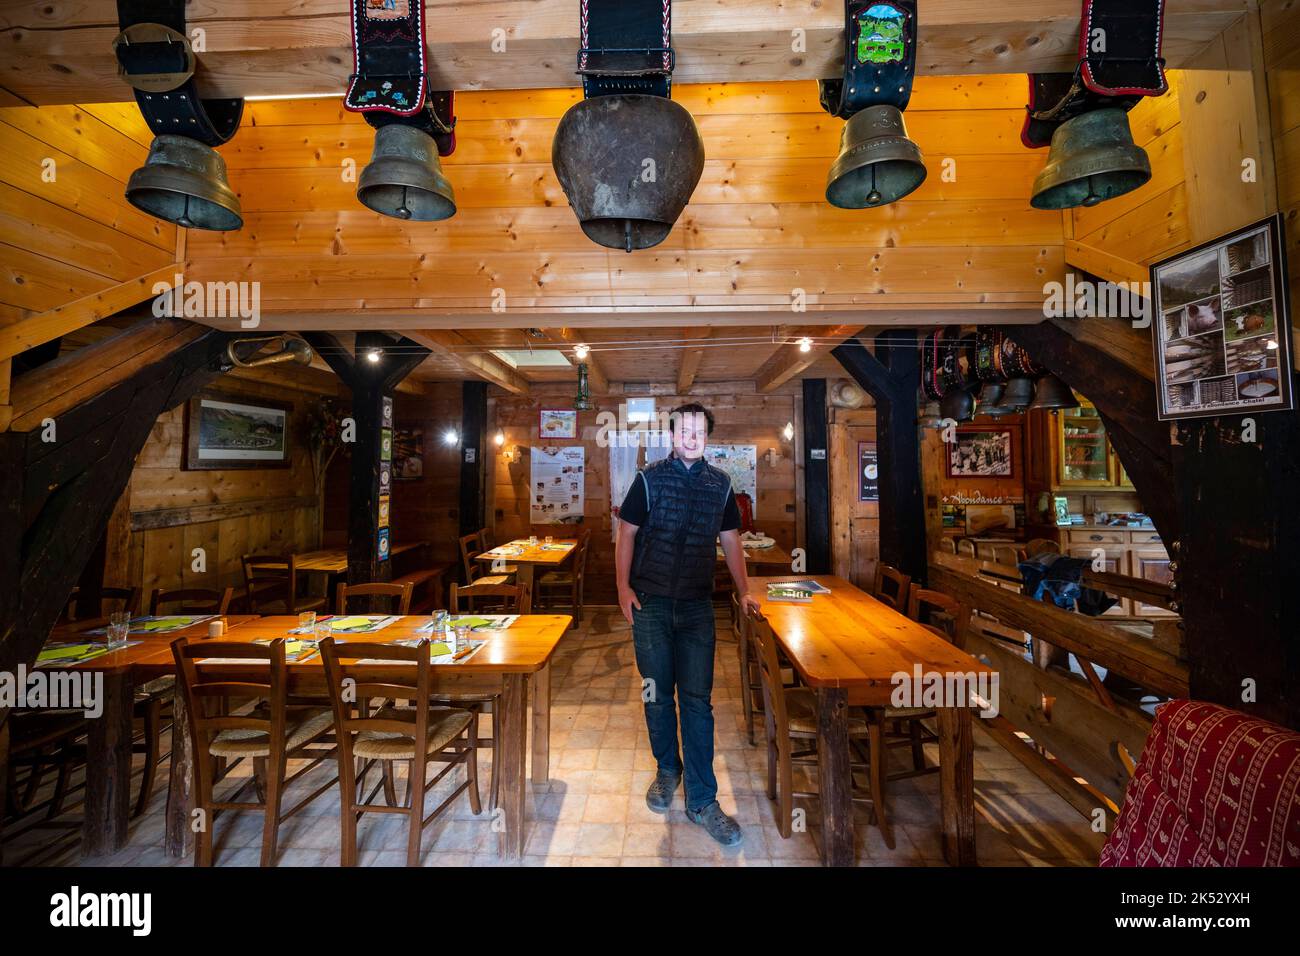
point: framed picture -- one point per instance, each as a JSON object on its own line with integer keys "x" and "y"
{"x": 868, "y": 472}
{"x": 229, "y": 431}
{"x": 558, "y": 423}
{"x": 408, "y": 454}
{"x": 981, "y": 452}
{"x": 1222, "y": 326}
{"x": 1061, "y": 508}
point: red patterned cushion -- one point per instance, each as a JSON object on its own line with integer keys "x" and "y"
{"x": 1214, "y": 787}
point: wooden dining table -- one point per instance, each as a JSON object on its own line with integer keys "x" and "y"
{"x": 852, "y": 650}
{"x": 514, "y": 663}
{"x": 772, "y": 557}
{"x": 107, "y": 802}
{"x": 530, "y": 557}
{"x": 334, "y": 561}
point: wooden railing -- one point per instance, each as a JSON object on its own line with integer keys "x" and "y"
{"x": 1078, "y": 728}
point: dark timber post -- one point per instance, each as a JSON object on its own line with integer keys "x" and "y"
{"x": 473, "y": 466}
{"x": 816, "y": 477}
{"x": 892, "y": 377}
{"x": 372, "y": 372}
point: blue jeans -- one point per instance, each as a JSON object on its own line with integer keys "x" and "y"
{"x": 674, "y": 649}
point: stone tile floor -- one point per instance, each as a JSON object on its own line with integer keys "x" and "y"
{"x": 593, "y": 812}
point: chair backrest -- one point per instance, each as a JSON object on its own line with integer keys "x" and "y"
{"x": 200, "y": 684}
{"x": 924, "y": 603}
{"x": 891, "y": 587}
{"x": 515, "y": 598}
{"x": 352, "y": 714}
{"x": 110, "y": 599}
{"x": 966, "y": 547}
{"x": 1037, "y": 546}
{"x": 584, "y": 549}
{"x": 398, "y": 594}
{"x": 269, "y": 578}
{"x": 486, "y": 539}
{"x": 1005, "y": 554}
{"x": 191, "y": 600}
{"x": 763, "y": 641}
{"x": 948, "y": 544}
{"x": 471, "y": 545}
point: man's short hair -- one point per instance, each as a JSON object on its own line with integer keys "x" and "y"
{"x": 691, "y": 408}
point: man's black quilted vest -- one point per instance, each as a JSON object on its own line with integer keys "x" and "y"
{"x": 675, "y": 553}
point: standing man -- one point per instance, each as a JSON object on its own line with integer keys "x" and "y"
{"x": 669, "y": 525}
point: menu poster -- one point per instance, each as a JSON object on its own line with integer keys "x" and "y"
{"x": 557, "y": 489}
{"x": 1222, "y": 326}
{"x": 868, "y": 472}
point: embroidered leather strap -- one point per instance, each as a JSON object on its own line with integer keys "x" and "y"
{"x": 626, "y": 47}
{"x": 879, "y": 58}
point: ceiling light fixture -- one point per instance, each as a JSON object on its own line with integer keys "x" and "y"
{"x": 581, "y": 351}
{"x": 805, "y": 344}
{"x": 374, "y": 355}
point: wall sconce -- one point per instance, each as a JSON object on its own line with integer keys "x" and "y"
{"x": 499, "y": 438}
{"x": 450, "y": 437}
{"x": 788, "y": 432}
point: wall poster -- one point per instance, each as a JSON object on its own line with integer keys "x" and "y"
{"x": 868, "y": 472}
{"x": 1222, "y": 326}
{"x": 556, "y": 490}
{"x": 740, "y": 462}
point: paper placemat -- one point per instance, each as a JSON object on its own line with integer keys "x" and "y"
{"x": 65, "y": 655}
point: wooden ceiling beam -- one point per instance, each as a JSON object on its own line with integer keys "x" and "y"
{"x": 691, "y": 359}
{"x": 473, "y": 359}
{"x": 788, "y": 360}
{"x": 62, "y": 53}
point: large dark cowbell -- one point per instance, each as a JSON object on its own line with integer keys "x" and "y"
{"x": 1093, "y": 158}
{"x": 1052, "y": 393}
{"x": 628, "y": 163}
{"x": 404, "y": 178}
{"x": 877, "y": 163}
{"x": 184, "y": 181}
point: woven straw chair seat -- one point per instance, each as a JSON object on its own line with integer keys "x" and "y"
{"x": 301, "y": 726}
{"x": 556, "y": 577}
{"x": 444, "y": 724}
{"x": 801, "y": 709}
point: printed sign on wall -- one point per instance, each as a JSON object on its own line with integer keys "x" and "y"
{"x": 557, "y": 489}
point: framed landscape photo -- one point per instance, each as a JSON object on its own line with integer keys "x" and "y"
{"x": 230, "y": 431}
{"x": 981, "y": 452}
{"x": 1221, "y": 327}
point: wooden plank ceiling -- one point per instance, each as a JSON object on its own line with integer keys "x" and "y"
{"x": 57, "y": 52}
{"x": 757, "y": 235}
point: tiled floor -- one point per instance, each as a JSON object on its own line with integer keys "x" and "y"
{"x": 593, "y": 811}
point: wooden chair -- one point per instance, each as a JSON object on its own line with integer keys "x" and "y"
{"x": 1004, "y": 554}
{"x": 513, "y": 598}
{"x": 572, "y": 580}
{"x": 1036, "y": 546}
{"x": 966, "y": 548}
{"x": 751, "y": 683}
{"x": 124, "y": 599}
{"x": 948, "y": 545}
{"x": 790, "y": 715}
{"x": 891, "y": 587}
{"x": 39, "y": 740}
{"x": 418, "y": 733}
{"x": 472, "y": 545}
{"x": 271, "y": 585}
{"x": 398, "y": 594}
{"x": 191, "y": 601}
{"x": 249, "y": 718}
{"x": 948, "y": 618}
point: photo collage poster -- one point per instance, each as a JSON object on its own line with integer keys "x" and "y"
{"x": 1222, "y": 326}
{"x": 557, "y": 489}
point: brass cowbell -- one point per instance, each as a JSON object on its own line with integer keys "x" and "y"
{"x": 404, "y": 178}
{"x": 877, "y": 163}
{"x": 184, "y": 181}
{"x": 1093, "y": 158}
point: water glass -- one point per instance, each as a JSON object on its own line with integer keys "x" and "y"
{"x": 440, "y": 619}
{"x": 532, "y": 541}
{"x": 119, "y": 627}
{"x": 550, "y": 539}
{"x": 462, "y": 638}
{"x": 323, "y": 630}
{"x": 307, "y": 622}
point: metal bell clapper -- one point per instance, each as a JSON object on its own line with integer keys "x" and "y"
{"x": 404, "y": 177}
{"x": 628, "y": 163}
{"x": 877, "y": 163}
{"x": 1093, "y": 158}
{"x": 184, "y": 182}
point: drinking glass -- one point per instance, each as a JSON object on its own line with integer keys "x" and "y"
{"x": 550, "y": 539}
{"x": 532, "y": 541}
{"x": 307, "y": 622}
{"x": 462, "y": 638}
{"x": 119, "y": 626}
{"x": 323, "y": 630}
